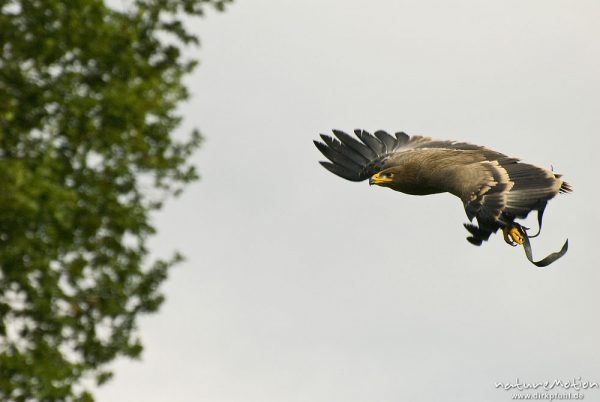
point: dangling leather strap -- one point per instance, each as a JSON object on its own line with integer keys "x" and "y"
{"x": 540, "y": 215}
{"x": 549, "y": 259}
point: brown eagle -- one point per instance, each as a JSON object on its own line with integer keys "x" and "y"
{"x": 495, "y": 189}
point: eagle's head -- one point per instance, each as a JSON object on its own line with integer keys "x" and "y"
{"x": 384, "y": 178}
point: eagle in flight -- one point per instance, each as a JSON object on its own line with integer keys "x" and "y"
{"x": 495, "y": 189}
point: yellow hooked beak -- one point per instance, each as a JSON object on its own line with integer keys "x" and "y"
{"x": 380, "y": 179}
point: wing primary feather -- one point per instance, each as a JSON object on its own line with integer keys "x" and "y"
{"x": 401, "y": 138}
{"x": 386, "y": 139}
{"x": 372, "y": 142}
{"x": 341, "y": 171}
{"x": 337, "y": 157}
{"x": 355, "y": 145}
{"x": 347, "y": 152}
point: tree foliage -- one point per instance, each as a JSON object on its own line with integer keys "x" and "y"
{"x": 88, "y": 98}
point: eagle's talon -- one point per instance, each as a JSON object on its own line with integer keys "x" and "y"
{"x": 513, "y": 236}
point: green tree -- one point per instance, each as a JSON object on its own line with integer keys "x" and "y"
{"x": 88, "y": 98}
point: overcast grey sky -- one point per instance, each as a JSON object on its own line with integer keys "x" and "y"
{"x": 301, "y": 286}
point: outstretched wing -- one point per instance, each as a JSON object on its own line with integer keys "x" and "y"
{"x": 356, "y": 160}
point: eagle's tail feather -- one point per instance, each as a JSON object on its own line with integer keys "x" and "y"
{"x": 565, "y": 188}
{"x": 533, "y": 187}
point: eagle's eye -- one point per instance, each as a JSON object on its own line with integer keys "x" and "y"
{"x": 388, "y": 175}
